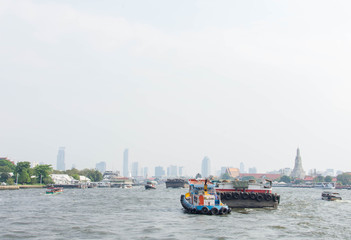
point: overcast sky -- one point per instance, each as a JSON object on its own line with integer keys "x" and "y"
{"x": 174, "y": 81}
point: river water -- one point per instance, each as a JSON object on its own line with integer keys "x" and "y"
{"x": 103, "y": 213}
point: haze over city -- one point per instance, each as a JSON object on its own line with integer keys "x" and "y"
{"x": 235, "y": 81}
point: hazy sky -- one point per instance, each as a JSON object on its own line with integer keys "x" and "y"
{"x": 174, "y": 81}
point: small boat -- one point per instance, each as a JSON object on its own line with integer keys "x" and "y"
{"x": 150, "y": 185}
{"x": 330, "y": 196}
{"x": 203, "y": 199}
{"x": 54, "y": 190}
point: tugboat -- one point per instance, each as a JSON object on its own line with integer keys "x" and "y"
{"x": 248, "y": 194}
{"x": 150, "y": 185}
{"x": 330, "y": 196}
{"x": 54, "y": 190}
{"x": 202, "y": 199}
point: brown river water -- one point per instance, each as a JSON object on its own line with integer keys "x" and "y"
{"x": 136, "y": 213}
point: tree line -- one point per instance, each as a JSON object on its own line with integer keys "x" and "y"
{"x": 24, "y": 174}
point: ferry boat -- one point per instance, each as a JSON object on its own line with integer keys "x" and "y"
{"x": 150, "y": 185}
{"x": 247, "y": 194}
{"x": 202, "y": 199}
{"x": 330, "y": 196}
{"x": 54, "y": 190}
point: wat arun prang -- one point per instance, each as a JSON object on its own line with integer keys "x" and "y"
{"x": 298, "y": 172}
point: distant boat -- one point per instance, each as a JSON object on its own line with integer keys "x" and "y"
{"x": 330, "y": 196}
{"x": 54, "y": 190}
{"x": 324, "y": 185}
{"x": 150, "y": 185}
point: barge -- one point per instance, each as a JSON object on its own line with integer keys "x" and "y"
{"x": 248, "y": 194}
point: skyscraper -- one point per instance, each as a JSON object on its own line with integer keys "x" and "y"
{"x": 173, "y": 171}
{"x": 206, "y": 167}
{"x": 159, "y": 171}
{"x": 61, "y": 159}
{"x": 101, "y": 167}
{"x": 298, "y": 171}
{"x": 135, "y": 168}
{"x": 146, "y": 172}
{"x": 242, "y": 167}
{"x": 125, "y": 163}
{"x": 181, "y": 171}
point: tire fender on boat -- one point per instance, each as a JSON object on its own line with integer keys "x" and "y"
{"x": 244, "y": 195}
{"x": 204, "y": 210}
{"x": 259, "y": 197}
{"x": 228, "y": 196}
{"x": 253, "y": 196}
{"x": 214, "y": 211}
{"x": 236, "y": 195}
{"x": 268, "y": 197}
{"x": 224, "y": 210}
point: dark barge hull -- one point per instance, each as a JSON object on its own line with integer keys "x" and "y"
{"x": 176, "y": 183}
{"x": 250, "y": 200}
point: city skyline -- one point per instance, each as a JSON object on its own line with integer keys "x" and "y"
{"x": 226, "y": 80}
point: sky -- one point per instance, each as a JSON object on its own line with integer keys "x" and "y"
{"x": 175, "y": 81}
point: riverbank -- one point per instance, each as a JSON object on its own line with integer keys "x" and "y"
{"x": 17, "y": 187}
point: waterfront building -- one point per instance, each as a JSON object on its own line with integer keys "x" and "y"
{"x": 253, "y": 170}
{"x": 242, "y": 167}
{"x": 298, "y": 171}
{"x": 61, "y": 159}
{"x": 62, "y": 179}
{"x": 206, "y": 167}
{"x": 135, "y": 168}
{"x": 125, "y": 163}
{"x": 159, "y": 172}
{"x": 233, "y": 172}
{"x": 101, "y": 167}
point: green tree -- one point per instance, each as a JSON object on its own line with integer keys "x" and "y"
{"x": 4, "y": 176}
{"x": 76, "y": 176}
{"x": 10, "y": 181}
{"x": 42, "y": 171}
{"x": 6, "y": 163}
{"x": 344, "y": 178}
{"x": 285, "y": 179}
{"x": 72, "y": 171}
{"x": 22, "y": 169}
{"x": 94, "y": 175}
{"x": 318, "y": 179}
{"x": 328, "y": 179}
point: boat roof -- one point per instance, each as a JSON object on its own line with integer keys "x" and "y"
{"x": 199, "y": 183}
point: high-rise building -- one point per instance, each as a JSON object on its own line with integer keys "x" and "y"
{"x": 125, "y": 163}
{"x": 61, "y": 159}
{"x": 135, "y": 168}
{"x": 173, "y": 171}
{"x": 253, "y": 170}
{"x": 206, "y": 167}
{"x": 101, "y": 167}
{"x": 146, "y": 172}
{"x": 242, "y": 167}
{"x": 298, "y": 171}
{"x": 181, "y": 171}
{"x": 159, "y": 171}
